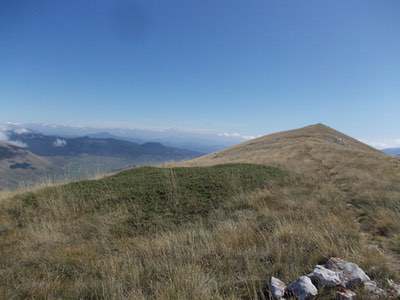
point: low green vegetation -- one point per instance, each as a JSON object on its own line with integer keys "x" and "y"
{"x": 154, "y": 198}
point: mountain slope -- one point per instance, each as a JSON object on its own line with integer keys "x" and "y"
{"x": 19, "y": 167}
{"x": 363, "y": 176}
{"x": 315, "y": 150}
{"x": 292, "y": 148}
{"x": 212, "y": 232}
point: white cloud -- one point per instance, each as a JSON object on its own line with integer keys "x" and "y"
{"x": 17, "y": 144}
{"x": 60, "y": 143}
{"x": 4, "y": 138}
{"x": 384, "y": 143}
{"x": 236, "y": 135}
{"x": 227, "y": 134}
{"x": 21, "y": 130}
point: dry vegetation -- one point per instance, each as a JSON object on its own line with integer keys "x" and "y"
{"x": 198, "y": 233}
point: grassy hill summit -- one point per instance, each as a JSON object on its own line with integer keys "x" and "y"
{"x": 316, "y": 148}
{"x": 216, "y": 227}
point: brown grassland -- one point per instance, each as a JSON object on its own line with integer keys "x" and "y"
{"x": 213, "y": 228}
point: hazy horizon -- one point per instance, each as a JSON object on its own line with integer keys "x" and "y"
{"x": 225, "y": 138}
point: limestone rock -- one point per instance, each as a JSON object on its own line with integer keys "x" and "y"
{"x": 278, "y": 288}
{"x": 350, "y": 273}
{"x": 303, "y": 288}
{"x": 324, "y": 277}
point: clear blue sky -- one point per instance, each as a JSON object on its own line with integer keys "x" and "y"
{"x": 251, "y": 66}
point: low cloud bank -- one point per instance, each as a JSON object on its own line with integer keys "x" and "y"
{"x": 5, "y": 138}
{"x": 384, "y": 144}
{"x": 60, "y": 143}
{"x": 237, "y": 135}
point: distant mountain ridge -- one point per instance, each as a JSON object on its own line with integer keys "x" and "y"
{"x": 27, "y": 157}
{"x": 45, "y": 145}
{"x": 392, "y": 151}
{"x": 6, "y": 151}
{"x": 198, "y": 141}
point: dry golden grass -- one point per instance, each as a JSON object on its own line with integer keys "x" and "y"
{"x": 367, "y": 180}
{"x": 229, "y": 254}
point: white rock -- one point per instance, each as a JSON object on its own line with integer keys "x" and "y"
{"x": 350, "y": 274}
{"x": 372, "y": 288}
{"x": 303, "y": 288}
{"x": 324, "y": 277}
{"x": 345, "y": 294}
{"x": 278, "y": 288}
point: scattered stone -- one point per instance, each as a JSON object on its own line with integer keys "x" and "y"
{"x": 303, "y": 288}
{"x": 345, "y": 294}
{"x": 278, "y": 288}
{"x": 337, "y": 274}
{"x": 372, "y": 288}
{"x": 394, "y": 288}
{"x": 324, "y": 277}
{"x": 350, "y": 273}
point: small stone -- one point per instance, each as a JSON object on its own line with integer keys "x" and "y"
{"x": 350, "y": 273}
{"x": 278, "y": 288}
{"x": 345, "y": 294}
{"x": 372, "y": 288}
{"x": 324, "y": 277}
{"x": 303, "y": 288}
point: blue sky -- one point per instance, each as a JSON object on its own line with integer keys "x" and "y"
{"x": 252, "y": 67}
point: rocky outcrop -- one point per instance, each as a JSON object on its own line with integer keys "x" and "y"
{"x": 278, "y": 288}
{"x": 303, "y": 288}
{"x": 350, "y": 274}
{"x": 336, "y": 274}
{"x": 324, "y": 277}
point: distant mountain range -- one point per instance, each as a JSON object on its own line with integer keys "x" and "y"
{"x": 392, "y": 151}
{"x": 45, "y": 145}
{"x": 198, "y": 141}
{"x": 28, "y": 157}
